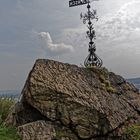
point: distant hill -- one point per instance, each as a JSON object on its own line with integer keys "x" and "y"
{"x": 135, "y": 81}
{"x": 10, "y": 93}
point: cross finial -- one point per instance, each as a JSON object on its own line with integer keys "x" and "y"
{"x": 92, "y": 59}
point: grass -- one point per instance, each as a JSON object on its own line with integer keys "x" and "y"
{"x": 133, "y": 132}
{"x": 6, "y": 133}
{"x": 5, "y": 105}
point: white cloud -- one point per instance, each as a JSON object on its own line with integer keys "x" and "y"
{"x": 50, "y": 47}
{"x": 123, "y": 26}
{"x": 117, "y": 38}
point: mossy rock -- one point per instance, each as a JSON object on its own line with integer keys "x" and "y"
{"x": 132, "y": 132}
{"x": 99, "y": 71}
{"x": 111, "y": 89}
{"x": 64, "y": 133}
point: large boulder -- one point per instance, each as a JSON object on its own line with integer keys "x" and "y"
{"x": 67, "y": 102}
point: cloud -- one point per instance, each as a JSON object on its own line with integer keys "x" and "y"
{"x": 122, "y": 27}
{"x": 117, "y": 40}
{"x": 50, "y": 47}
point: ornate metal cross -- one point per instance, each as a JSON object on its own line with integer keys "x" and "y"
{"x": 92, "y": 59}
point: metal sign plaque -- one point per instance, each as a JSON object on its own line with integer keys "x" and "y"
{"x": 73, "y": 3}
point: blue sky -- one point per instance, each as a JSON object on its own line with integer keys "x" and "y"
{"x": 25, "y": 26}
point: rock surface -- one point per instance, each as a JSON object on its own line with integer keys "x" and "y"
{"x": 65, "y": 102}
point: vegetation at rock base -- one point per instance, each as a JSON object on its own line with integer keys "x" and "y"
{"x": 133, "y": 132}
{"x": 5, "y": 105}
{"x": 6, "y": 133}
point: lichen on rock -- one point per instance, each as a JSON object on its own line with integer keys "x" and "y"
{"x": 66, "y": 102}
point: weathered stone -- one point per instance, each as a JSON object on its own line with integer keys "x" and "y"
{"x": 39, "y": 130}
{"x": 79, "y": 103}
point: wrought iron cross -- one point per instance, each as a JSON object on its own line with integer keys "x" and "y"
{"x": 92, "y": 59}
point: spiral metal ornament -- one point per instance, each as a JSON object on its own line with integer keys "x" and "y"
{"x": 92, "y": 59}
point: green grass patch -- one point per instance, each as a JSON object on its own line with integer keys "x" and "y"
{"x": 8, "y": 133}
{"x": 5, "y": 105}
{"x": 133, "y": 132}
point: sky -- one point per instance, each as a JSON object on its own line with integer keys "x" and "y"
{"x": 32, "y": 29}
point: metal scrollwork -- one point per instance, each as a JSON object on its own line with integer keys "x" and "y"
{"x": 92, "y": 59}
